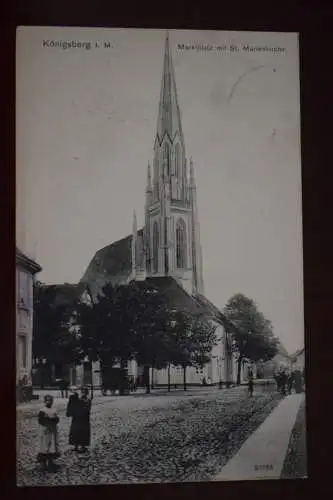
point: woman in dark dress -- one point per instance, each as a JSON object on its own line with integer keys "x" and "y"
{"x": 79, "y": 409}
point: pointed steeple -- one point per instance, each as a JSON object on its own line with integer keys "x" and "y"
{"x": 149, "y": 186}
{"x": 169, "y": 120}
{"x": 134, "y": 244}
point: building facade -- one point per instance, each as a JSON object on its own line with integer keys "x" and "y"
{"x": 26, "y": 269}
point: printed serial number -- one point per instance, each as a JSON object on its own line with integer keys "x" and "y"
{"x": 264, "y": 467}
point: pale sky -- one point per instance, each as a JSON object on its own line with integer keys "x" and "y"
{"x": 86, "y": 124}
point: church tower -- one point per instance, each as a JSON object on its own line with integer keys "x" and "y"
{"x": 171, "y": 233}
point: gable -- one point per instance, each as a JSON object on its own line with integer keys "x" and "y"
{"x": 111, "y": 262}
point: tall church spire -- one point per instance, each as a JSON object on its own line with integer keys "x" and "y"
{"x": 168, "y": 115}
{"x": 134, "y": 244}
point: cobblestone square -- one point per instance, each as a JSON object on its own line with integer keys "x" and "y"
{"x": 181, "y": 436}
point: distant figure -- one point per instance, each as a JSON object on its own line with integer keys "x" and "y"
{"x": 290, "y": 381}
{"x": 132, "y": 386}
{"x": 250, "y": 383}
{"x": 48, "y": 434}
{"x": 64, "y": 385}
{"x": 283, "y": 381}
{"x": 204, "y": 381}
{"x": 79, "y": 410}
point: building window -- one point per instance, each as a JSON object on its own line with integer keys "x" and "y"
{"x": 177, "y": 160}
{"x": 22, "y": 287}
{"x": 29, "y": 292}
{"x": 22, "y": 351}
{"x": 166, "y": 158}
{"x": 155, "y": 246}
{"x": 181, "y": 244}
{"x": 24, "y": 318}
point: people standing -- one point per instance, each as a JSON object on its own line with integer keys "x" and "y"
{"x": 48, "y": 434}
{"x": 79, "y": 410}
{"x": 64, "y": 385}
{"x": 250, "y": 382}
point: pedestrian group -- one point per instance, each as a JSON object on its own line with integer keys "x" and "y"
{"x": 287, "y": 380}
{"x": 78, "y": 409}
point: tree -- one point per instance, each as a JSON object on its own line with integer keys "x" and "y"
{"x": 253, "y": 332}
{"x": 134, "y": 321}
{"x": 53, "y": 338}
{"x": 125, "y": 322}
{"x": 152, "y": 328}
{"x": 104, "y": 329}
{"x": 191, "y": 341}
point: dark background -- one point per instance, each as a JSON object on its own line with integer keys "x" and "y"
{"x": 315, "y": 24}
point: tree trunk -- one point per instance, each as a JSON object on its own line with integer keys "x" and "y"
{"x": 184, "y": 377}
{"x": 152, "y": 376}
{"x": 239, "y": 366}
{"x": 146, "y": 378}
{"x": 169, "y": 381}
{"x": 92, "y": 380}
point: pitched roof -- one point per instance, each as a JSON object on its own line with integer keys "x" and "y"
{"x": 111, "y": 261}
{"x": 174, "y": 294}
{"x": 297, "y": 353}
{"x": 215, "y": 312}
{"x": 27, "y": 262}
{"x": 64, "y": 294}
{"x": 177, "y": 297}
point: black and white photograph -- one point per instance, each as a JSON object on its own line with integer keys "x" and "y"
{"x": 159, "y": 260}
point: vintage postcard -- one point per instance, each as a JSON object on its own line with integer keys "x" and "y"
{"x": 159, "y": 289}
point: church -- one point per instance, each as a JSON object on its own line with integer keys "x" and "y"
{"x": 166, "y": 252}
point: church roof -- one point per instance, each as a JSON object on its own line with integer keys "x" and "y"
{"x": 174, "y": 294}
{"x": 169, "y": 120}
{"x": 111, "y": 261}
{"x": 216, "y": 314}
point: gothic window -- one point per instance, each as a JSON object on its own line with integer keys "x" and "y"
{"x": 181, "y": 244}
{"x": 155, "y": 247}
{"x": 177, "y": 160}
{"x": 156, "y": 176}
{"x": 166, "y": 158}
{"x": 23, "y": 350}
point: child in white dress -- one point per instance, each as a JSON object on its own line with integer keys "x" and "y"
{"x": 48, "y": 434}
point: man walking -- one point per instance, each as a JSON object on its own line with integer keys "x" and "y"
{"x": 250, "y": 383}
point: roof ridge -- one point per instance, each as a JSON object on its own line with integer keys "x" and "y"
{"x": 139, "y": 232}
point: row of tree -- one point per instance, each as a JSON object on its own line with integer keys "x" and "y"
{"x": 134, "y": 322}
{"x": 123, "y": 323}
